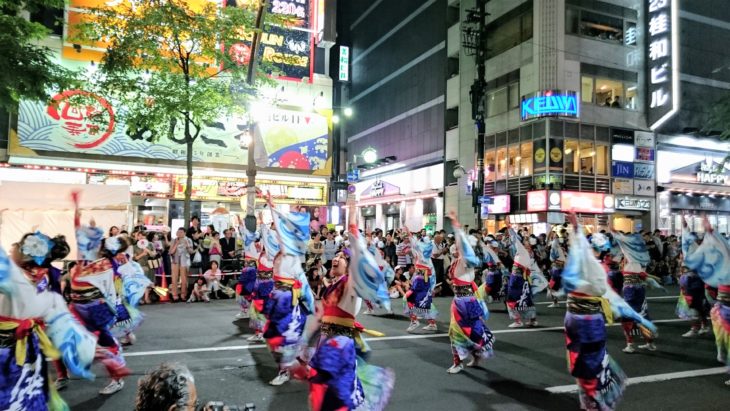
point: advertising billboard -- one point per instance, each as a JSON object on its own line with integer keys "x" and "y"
{"x": 291, "y": 139}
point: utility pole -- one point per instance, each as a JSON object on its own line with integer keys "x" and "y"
{"x": 250, "y": 221}
{"x": 474, "y": 40}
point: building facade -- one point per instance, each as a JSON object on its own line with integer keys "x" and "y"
{"x": 397, "y": 93}
{"x": 598, "y": 107}
{"x": 290, "y": 121}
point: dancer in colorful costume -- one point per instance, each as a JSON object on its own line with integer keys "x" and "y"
{"x": 247, "y": 279}
{"x": 35, "y": 325}
{"x": 94, "y": 297}
{"x": 592, "y": 304}
{"x": 468, "y": 332}
{"x": 419, "y": 298}
{"x": 711, "y": 261}
{"x": 131, "y": 286}
{"x": 636, "y": 280}
{"x": 264, "y": 284}
{"x": 292, "y": 299}
{"x": 339, "y": 376}
{"x": 557, "y": 256}
{"x": 494, "y": 274}
{"x": 525, "y": 281}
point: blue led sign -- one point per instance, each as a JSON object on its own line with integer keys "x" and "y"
{"x": 550, "y": 103}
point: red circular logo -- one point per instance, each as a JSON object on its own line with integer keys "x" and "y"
{"x": 87, "y": 118}
{"x": 240, "y": 53}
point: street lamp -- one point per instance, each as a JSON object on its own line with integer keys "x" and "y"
{"x": 335, "y": 119}
{"x": 347, "y": 111}
{"x": 369, "y": 155}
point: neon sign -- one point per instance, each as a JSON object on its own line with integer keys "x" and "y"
{"x": 662, "y": 68}
{"x": 550, "y": 103}
{"x": 344, "y": 74}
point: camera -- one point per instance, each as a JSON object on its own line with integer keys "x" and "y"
{"x": 221, "y": 406}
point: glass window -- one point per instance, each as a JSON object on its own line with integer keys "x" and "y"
{"x": 497, "y": 102}
{"x": 601, "y": 27}
{"x": 601, "y": 159}
{"x": 586, "y": 89}
{"x": 501, "y": 163}
{"x": 490, "y": 166}
{"x": 526, "y": 26}
{"x": 513, "y": 159}
{"x": 503, "y": 35}
{"x": 587, "y": 155}
{"x": 514, "y": 95}
{"x": 631, "y": 94}
{"x": 572, "y": 16}
{"x": 525, "y": 163}
{"x": 571, "y": 155}
{"x": 609, "y": 93}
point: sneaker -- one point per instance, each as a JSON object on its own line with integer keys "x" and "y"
{"x": 648, "y": 346}
{"x": 255, "y": 338}
{"x": 413, "y": 326}
{"x": 727, "y": 383}
{"x": 629, "y": 349}
{"x": 113, "y": 387}
{"x": 691, "y": 333}
{"x": 704, "y": 330}
{"x": 61, "y": 384}
{"x": 516, "y": 324}
{"x": 430, "y": 327}
{"x": 553, "y": 305}
{"x": 532, "y": 323}
{"x": 455, "y": 369}
{"x": 473, "y": 362}
{"x": 369, "y": 311}
{"x": 242, "y": 315}
{"x": 280, "y": 379}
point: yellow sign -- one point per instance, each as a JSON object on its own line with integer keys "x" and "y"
{"x": 540, "y": 155}
{"x": 232, "y": 189}
{"x": 556, "y": 154}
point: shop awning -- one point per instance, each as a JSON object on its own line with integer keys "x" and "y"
{"x": 49, "y": 196}
{"x": 698, "y": 189}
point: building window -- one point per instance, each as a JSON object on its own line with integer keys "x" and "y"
{"x": 514, "y": 95}
{"x": 51, "y": 18}
{"x": 571, "y": 151}
{"x": 490, "y": 165}
{"x": 586, "y": 89}
{"x": 609, "y": 93}
{"x": 601, "y": 160}
{"x": 598, "y": 26}
{"x": 525, "y": 163}
{"x": 501, "y": 163}
{"x": 497, "y": 102}
{"x": 511, "y": 32}
{"x": 513, "y": 160}
{"x": 587, "y": 154}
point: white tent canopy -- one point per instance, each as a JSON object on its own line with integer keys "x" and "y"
{"x": 26, "y": 207}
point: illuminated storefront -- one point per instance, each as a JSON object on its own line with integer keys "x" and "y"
{"x": 411, "y": 198}
{"x": 547, "y": 207}
{"x": 696, "y": 182}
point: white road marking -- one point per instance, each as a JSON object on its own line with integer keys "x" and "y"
{"x": 374, "y": 339}
{"x": 659, "y": 297}
{"x": 566, "y": 389}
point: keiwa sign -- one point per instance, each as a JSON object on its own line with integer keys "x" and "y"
{"x": 290, "y": 138}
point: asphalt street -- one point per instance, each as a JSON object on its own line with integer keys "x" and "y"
{"x": 529, "y": 371}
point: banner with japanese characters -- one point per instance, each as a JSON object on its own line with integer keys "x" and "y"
{"x": 662, "y": 61}
{"x": 286, "y": 48}
{"x": 286, "y": 138}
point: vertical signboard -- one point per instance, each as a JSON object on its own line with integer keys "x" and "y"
{"x": 344, "y": 66}
{"x": 662, "y": 60}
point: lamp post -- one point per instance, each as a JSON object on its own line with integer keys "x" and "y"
{"x": 474, "y": 40}
{"x": 250, "y": 221}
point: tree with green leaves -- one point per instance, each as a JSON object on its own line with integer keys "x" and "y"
{"x": 719, "y": 119}
{"x": 174, "y": 66}
{"x": 29, "y": 70}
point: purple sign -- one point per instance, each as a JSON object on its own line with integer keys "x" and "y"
{"x": 622, "y": 169}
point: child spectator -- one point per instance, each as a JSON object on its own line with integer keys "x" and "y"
{"x": 200, "y": 292}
